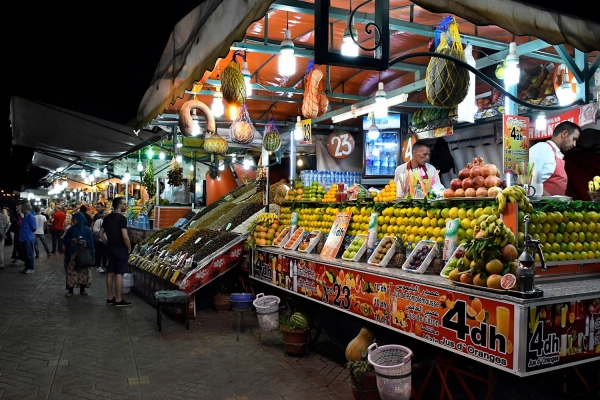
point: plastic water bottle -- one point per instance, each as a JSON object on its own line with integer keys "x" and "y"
{"x": 376, "y": 164}
{"x": 409, "y": 249}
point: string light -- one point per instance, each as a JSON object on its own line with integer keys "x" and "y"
{"x": 161, "y": 155}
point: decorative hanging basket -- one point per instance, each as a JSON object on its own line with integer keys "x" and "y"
{"x": 215, "y": 144}
{"x": 272, "y": 138}
{"x": 186, "y": 122}
{"x": 242, "y": 129}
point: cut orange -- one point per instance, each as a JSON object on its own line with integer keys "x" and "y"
{"x": 471, "y": 312}
{"x": 481, "y": 316}
{"x": 476, "y": 304}
{"x": 508, "y": 281}
{"x": 509, "y": 347}
{"x": 572, "y": 317}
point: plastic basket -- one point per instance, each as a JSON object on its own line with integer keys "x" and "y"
{"x": 241, "y": 301}
{"x": 392, "y": 364}
{"x": 267, "y": 311}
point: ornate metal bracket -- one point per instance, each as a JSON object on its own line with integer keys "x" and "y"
{"x": 367, "y": 30}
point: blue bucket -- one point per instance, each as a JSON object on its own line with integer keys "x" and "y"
{"x": 241, "y": 301}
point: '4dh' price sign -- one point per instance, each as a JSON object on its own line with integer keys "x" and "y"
{"x": 336, "y": 235}
{"x": 515, "y": 142}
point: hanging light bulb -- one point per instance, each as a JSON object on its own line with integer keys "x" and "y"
{"x": 65, "y": 184}
{"x": 540, "y": 122}
{"x": 140, "y": 167}
{"x": 287, "y": 61}
{"x": 217, "y": 107}
{"x": 512, "y": 72}
{"x": 381, "y": 108}
{"x": 233, "y": 157}
{"x": 196, "y": 130}
{"x": 179, "y": 158}
{"x": 86, "y": 180}
{"x": 247, "y": 77}
{"x": 247, "y": 163}
{"x": 221, "y": 167}
{"x": 565, "y": 92}
{"x": 349, "y": 48}
{"x": 373, "y": 133}
{"x": 161, "y": 155}
{"x": 151, "y": 152}
{"x": 83, "y": 173}
{"x": 127, "y": 176}
{"x": 233, "y": 112}
{"x": 299, "y": 162}
{"x": 191, "y": 167}
{"x": 96, "y": 172}
{"x": 298, "y": 131}
{"x": 180, "y": 142}
{"x": 92, "y": 178}
{"x": 375, "y": 152}
{"x": 105, "y": 171}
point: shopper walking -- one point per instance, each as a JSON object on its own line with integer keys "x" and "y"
{"x": 78, "y": 238}
{"x": 86, "y": 214}
{"x": 99, "y": 210}
{"x": 118, "y": 245}
{"x": 27, "y": 238}
{"x": 100, "y": 248}
{"x": 4, "y": 227}
{"x": 15, "y": 227}
{"x": 57, "y": 221}
{"x": 40, "y": 232}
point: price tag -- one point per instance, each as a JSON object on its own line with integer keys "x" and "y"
{"x": 336, "y": 235}
{"x": 228, "y": 226}
{"x": 340, "y": 144}
{"x": 175, "y": 276}
{"x": 197, "y": 240}
{"x": 515, "y": 142}
{"x": 307, "y": 129}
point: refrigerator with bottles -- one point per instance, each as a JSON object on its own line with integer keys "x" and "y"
{"x": 381, "y": 153}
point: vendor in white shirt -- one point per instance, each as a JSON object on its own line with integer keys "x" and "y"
{"x": 420, "y": 155}
{"x": 548, "y": 157}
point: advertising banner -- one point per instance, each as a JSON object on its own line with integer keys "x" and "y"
{"x": 480, "y": 328}
{"x": 516, "y": 142}
{"x": 582, "y": 116}
{"x": 336, "y": 235}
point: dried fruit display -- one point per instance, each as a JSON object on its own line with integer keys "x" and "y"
{"x": 175, "y": 174}
{"x": 193, "y": 242}
{"x": 189, "y": 215}
{"x": 213, "y": 215}
{"x": 179, "y": 241}
{"x": 161, "y": 234}
{"x": 216, "y": 242}
{"x": 236, "y": 216}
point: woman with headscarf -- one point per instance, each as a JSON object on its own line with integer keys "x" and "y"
{"x": 78, "y": 233}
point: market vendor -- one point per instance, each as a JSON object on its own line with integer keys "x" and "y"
{"x": 548, "y": 157}
{"x": 419, "y": 160}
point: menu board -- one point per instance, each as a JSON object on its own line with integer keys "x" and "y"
{"x": 336, "y": 235}
{"x": 476, "y": 327}
{"x": 563, "y": 333}
{"x": 515, "y": 142}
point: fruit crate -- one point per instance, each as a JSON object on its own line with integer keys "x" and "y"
{"x": 361, "y": 250}
{"x": 314, "y": 240}
{"x": 432, "y": 252}
{"x": 388, "y": 255}
{"x": 459, "y": 247}
{"x": 293, "y": 244}
{"x": 282, "y": 238}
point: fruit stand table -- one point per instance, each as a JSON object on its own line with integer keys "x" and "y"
{"x": 517, "y": 335}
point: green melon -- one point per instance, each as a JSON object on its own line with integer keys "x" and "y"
{"x": 298, "y": 321}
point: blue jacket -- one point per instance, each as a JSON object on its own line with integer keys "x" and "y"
{"x": 27, "y": 228}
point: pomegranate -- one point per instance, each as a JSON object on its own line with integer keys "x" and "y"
{"x": 464, "y": 173}
{"x": 493, "y": 191}
{"x": 481, "y": 192}
{"x": 475, "y": 171}
{"x": 470, "y": 192}
{"x": 467, "y": 183}
{"x": 460, "y": 192}
{"x": 492, "y": 181}
{"x": 448, "y": 193}
{"x": 489, "y": 170}
{"x": 478, "y": 182}
{"x": 455, "y": 184}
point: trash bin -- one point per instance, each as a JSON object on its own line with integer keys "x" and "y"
{"x": 267, "y": 311}
{"x": 392, "y": 364}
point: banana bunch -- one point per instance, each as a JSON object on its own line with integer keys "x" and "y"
{"x": 267, "y": 218}
{"x": 490, "y": 226}
{"x": 514, "y": 194}
{"x": 594, "y": 185}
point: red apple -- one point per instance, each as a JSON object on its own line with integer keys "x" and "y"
{"x": 455, "y": 184}
{"x": 466, "y": 183}
{"x": 464, "y": 173}
{"x": 470, "y": 192}
{"x": 475, "y": 171}
{"x": 478, "y": 182}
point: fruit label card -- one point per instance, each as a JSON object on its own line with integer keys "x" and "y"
{"x": 515, "y": 142}
{"x": 562, "y": 333}
{"x": 336, "y": 234}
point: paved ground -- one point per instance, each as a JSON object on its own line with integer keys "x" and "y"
{"x": 54, "y": 347}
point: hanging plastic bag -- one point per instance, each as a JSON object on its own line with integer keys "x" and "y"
{"x": 467, "y": 108}
{"x": 242, "y": 129}
{"x": 446, "y": 83}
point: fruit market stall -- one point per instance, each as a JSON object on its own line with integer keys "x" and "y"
{"x": 466, "y": 298}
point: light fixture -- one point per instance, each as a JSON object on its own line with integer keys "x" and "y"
{"x": 358, "y": 111}
{"x": 349, "y": 48}
{"x": 92, "y": 178}
{"x": 221, "y": 167}
{"x": 299, "y": 162}
{"x": 233, "y": 157}
{"x": 540, "y": 122}
{"x": 105, "y": 171}
{"x": 512, "y": 72}
{"x": 137, "y": 187}
{"x": 298, "y": 131}
{"x": 180, "y": 142}
{"x": 195, "y": 126}
{"x": 86, "y": 180}
{"x": 83, "y": 173}
{"x": 178, "y": 158}
{"x": 247, "y": 78}
{"x": 96, "y": 172}
{"x": 381, "y": 108}
{"x": 191, "y": 167}
{"x": 565, "y": 92}
{"x": 60, "y": 169}
{"x": 373, "y": 133}
{"x": 248, "y": 162}
{"x": 65, "y": 184}
{"x": 287, "y": 60}
{"x": 233, "y": 112}
{"x": 217, "y": 107}
{"x": 140, "y": 167}
{"x": 127, "y": 176}
{"x": 161, "y": 155}
{"x": 151, "y": 152}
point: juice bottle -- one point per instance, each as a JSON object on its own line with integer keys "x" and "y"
{"x": 503, "y": 320}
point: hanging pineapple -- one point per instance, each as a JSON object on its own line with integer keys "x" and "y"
{"x": 148, "y": 178}
{"x": 399, "y": 257}
{"x": 272, "y": 138}
{"x": 232, "y": 83}
{"x": 321, "y": 244}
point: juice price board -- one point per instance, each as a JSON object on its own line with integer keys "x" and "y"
{"x": 480, "y": 328}
{"x": 515, "y": 142}
{"x": 563, "y": 333}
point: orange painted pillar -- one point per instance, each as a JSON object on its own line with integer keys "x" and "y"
{"x": 215, "y": 188}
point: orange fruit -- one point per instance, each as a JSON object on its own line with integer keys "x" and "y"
{"x": 509, "y": 347}
{"x": 508, "y": 281}
{"x": 471, "y": 313}
{"x": 494, "y": 281}
{"x": 476, "y": 305}
{"x": 480, "y": 316}
{"x": 494, "y": 267}
{"x": 418, "y": 330}
{"x": 572, "y": 317}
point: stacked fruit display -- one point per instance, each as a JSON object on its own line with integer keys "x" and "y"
{"x": 418, "y": 257}
{"x": 514, "y": 194}
{"x": 354, "y": 247}
{"x": 386, "y": 245}
{"x": 477, "y": 179}
{"x": 285, "y": 216}
{"x": 265, "y": 229}
{"x": 281, "y": 236}
{"x": 388, "y": 193}
{"x": 296, "y": 192}
{"x": 320, "y": 218}
{"x": 293, "y": 242}
{"x": 314, "y": 192}
{"x": 594, "y": 188}
{"x": 330, "y": 195}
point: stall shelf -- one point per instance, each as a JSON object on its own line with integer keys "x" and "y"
{"x": 517, "y": 335}
{"x": 169, "y": 215}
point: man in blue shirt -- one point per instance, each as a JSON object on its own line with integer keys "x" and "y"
{"x": 26, "y": 236}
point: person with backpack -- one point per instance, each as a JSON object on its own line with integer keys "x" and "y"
{"x": 101, "y": 258}
{"x": 78, "y": 239}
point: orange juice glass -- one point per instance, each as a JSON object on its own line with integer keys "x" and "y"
{"x": 503, "y": 320}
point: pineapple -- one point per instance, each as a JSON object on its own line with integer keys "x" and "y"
{"x": 320, "y": 244}
{"x": 438, "y": 262}
{"x": 399, "y": 257}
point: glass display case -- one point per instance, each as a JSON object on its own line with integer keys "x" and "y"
{"x": 381, "y": 154}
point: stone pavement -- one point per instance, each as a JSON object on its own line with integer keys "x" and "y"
{"x": 54, "y": 347}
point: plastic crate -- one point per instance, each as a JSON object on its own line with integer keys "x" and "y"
{"x": 360, "y": 251}
{"x": 459, "y": 247}
{"x": 283, "y": 237}
{"x": 313, "y": 242}
{"x": 388, "y": 255}
{"x": 432, "y": 252}
{"x": 293, "y": 245}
